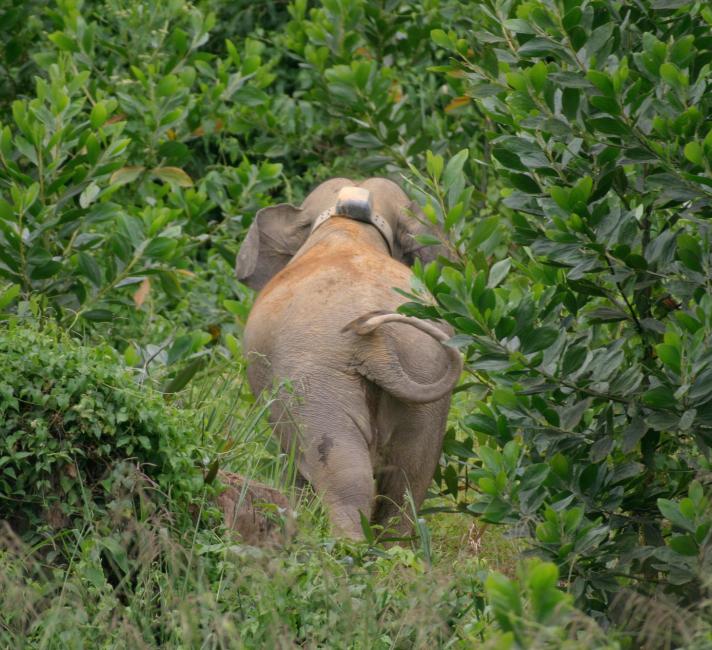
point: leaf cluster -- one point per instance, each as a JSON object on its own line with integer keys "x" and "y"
{"x": 584, "y": 307}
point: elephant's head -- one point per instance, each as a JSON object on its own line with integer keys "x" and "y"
{"x": 279, "y": 231}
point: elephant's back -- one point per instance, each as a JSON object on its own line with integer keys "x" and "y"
{"x": 335, "y": 276}
{"x": 301, "y": 311}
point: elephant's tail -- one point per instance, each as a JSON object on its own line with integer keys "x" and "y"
{"x": 390, "y": 375}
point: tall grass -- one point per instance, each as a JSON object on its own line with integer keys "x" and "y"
{"x": 152, "y": 576}
{"x": 151, "y": 585}
{"x": 158, "y": 576}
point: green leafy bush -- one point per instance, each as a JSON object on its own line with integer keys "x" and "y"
{"x": 139, "y": 141}
{"x": 122, "y": 183}
{"x": 366, "y": 75}
{"x": 72, "y": 420}
{"x": 123, "y": 178}
{"x": 584, "y": 305}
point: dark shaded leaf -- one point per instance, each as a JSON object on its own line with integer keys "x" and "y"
{"x": 181, "y": 380}
{"x": 539, "y": 339}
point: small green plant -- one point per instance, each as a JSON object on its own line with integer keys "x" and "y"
{"x": 687, "y": 553}
{"x": 533, "y": 612}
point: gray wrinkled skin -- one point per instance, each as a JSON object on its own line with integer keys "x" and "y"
{"x": 368, "y": 407}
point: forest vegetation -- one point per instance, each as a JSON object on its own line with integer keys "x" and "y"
{"x": 564, "y": 146}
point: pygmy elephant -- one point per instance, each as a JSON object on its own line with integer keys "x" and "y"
{"x": 370, "y": 388}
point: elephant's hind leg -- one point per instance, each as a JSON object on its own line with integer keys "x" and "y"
{"x": 408, "y": 463}
{"x": 332, "y": 439}
{"x": 334, "y": 457}
{"x": 339, "y": 467}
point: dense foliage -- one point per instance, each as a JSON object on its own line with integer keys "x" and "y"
{"x": 73, "y": 425}
{"x": 589, "y": 335}
{"x": 564, "y": 145}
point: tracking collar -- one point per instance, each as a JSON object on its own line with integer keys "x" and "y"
{"x": 356, "y": 203}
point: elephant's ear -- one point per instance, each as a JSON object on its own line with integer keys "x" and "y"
{"x": 416, "y": 237}
{"x": 275, "y": 235}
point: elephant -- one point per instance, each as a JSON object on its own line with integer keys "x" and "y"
{"x": 370, "y": 388}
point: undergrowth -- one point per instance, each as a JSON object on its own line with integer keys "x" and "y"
{"x": 140, "y": 558}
